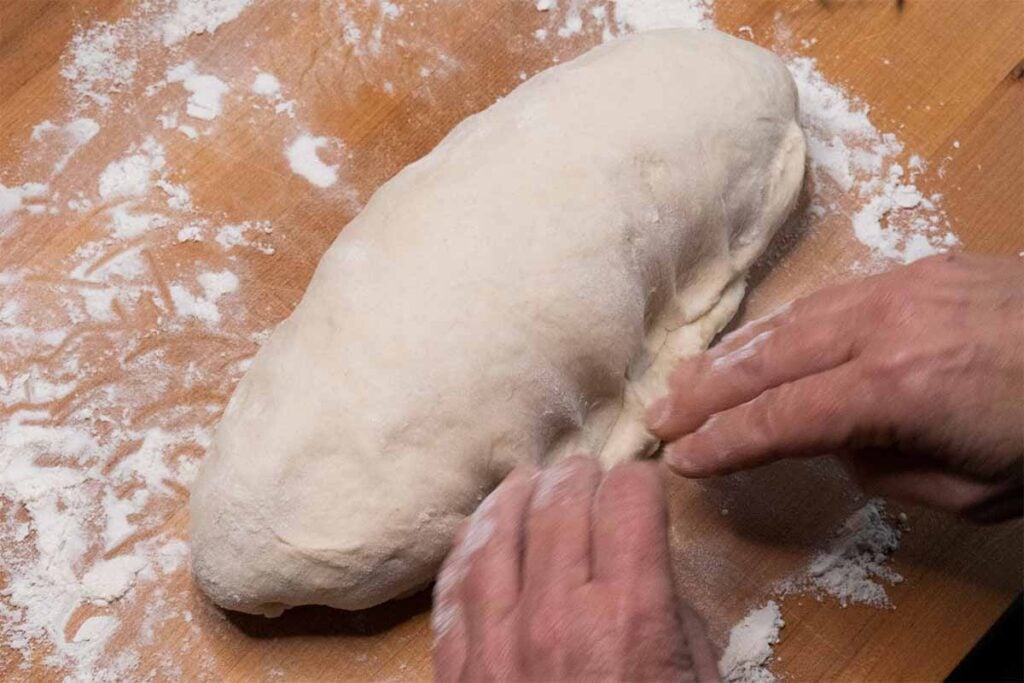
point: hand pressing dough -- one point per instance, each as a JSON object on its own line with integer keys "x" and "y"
{"x": 519, "y": 294}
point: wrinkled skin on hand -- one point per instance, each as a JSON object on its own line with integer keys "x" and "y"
{"x": 564, "y": 575}
{"x": 915, "y": 377}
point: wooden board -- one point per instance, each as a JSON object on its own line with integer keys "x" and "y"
{"x": 936, "y": 72}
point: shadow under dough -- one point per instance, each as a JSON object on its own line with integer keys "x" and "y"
{"x": 318, "y": 620}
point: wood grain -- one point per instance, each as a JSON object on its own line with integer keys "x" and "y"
{"x": 935, "y": 72}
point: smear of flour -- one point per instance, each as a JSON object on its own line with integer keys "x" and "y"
{"x": 193, "y": 17}
{"x": 132, "y": 175}
{"x": 203, "y": 306}
{"x": 70, "y": 136}
{"x": 751, "y": 643}
{"x": 648, "y": 15}
{"x": 304, "y": 160}
{"x": 368, "y": 38}
{"x": 248, "y": 234}
{"x": 21, "y": 196}
{"x": 205, "y": 91}
{"x": 96, "y": 63}
{"x": 109, "y": 580}
{"x": 266, "y": 84}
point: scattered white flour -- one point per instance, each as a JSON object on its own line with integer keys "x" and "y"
{"x": 851, "y": 159}
{"x": 573, "y": 24}
{"x": 367, "y": 38}
{"x": 647, "y": 15}
{"x": 107, "y": 581}
{"x": 178, "y": 198}
{"x": 14, "y": 198}
{"x": 204, "y": 306}
{"x": 851, "y": 568}
{"x": 236, "y": 235}
{"x": 303, "y": 159}
{"x": 750, "y": 647}
{"x": 126, "y": 225}
{"x": 97, "y": 445}
{"x": 266, "y": 84}
{"x": 96, "y": 65}
{"x": 199, "y": 16}
{"x": 848, "y": 570}
{"x": 205, "y": 91}
{"x": 190, "y": 233}
{"x": 78, "y": 131}
{"x": 99, "y": 302}
{"x": 71, "y": 136}
{"x": 10, "y": 199}
{"x": 132, "y": 176}
{"x": 91, "y": 637}
{"x": 103, "y": 59}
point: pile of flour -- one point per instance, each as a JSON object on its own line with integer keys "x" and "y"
{"x": 851, "y": 569}
{"x": 749, "y": 650}
{"x": 854, "y": 567}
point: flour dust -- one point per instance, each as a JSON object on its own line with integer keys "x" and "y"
{"x": 120, "y": 349}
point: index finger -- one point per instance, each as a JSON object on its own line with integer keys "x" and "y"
{"x": 490, "y": 556}
{"x": 813, "y": 335}
{"x": 630, "y": 526}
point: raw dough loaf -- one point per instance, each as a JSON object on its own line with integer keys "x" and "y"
{"x": 518, "y": 294}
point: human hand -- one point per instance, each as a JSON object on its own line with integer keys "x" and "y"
{"x": 564, "y": 575}
{"x": 915, "y": 376}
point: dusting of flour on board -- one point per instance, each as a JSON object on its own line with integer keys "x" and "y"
{"x": 851, "y": 569}
{"x": 749, "y": 649}
{"x": 119, "y": 356}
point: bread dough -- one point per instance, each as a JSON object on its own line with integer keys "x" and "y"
{"x": 518, "y": 294}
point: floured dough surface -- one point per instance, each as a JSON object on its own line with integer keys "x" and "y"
{"x": 519, "y": 294}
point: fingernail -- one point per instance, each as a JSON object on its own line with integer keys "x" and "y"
{"x": 658, "y": 414}
{"x": 679, "y": 457}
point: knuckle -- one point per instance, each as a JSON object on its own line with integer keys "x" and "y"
{"x": 901, "y": 373}
{"x": 632, "y": 482}
{"x": 764, "y": 414}
{"x": 682, "y": 375}
{"x": 886, "y": 367}
{"x": 971, "y": 508}
{"x": 774, "y": 415}
{"x": 749, "y": 359}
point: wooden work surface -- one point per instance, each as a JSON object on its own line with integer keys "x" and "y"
{"x": 935, "y": 72}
